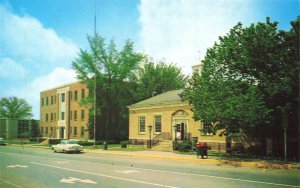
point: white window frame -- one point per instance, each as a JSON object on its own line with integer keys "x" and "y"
{"x": 139, "y": 125}
{"x": 155, "y": 127}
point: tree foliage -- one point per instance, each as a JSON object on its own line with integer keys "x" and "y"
{"x": 113, "y": 70}
{"x": 15, "y": 108}
{"x": 249, "y": 78}
{"x": 153, "y": 79}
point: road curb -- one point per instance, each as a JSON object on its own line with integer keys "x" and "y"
{"x": 212, "y": 161}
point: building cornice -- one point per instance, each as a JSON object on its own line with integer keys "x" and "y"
{"x": 181, "y": 104}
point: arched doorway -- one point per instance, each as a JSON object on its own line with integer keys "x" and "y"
{"x": 180, "y": 122}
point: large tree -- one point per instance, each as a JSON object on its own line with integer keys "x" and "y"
{"x": 249, "y": 81}
{"x": 156, "y": 78}
{"x": 113, "y": 70}
{"x": 15, "y": 108}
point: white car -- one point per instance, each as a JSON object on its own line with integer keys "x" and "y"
{"x": 67, "y": 146}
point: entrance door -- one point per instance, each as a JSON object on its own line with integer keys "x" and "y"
{"x": 61, "y": 132}
{"x": 182, "y": 131}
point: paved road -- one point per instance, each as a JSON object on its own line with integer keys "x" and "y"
{"x": 29, "y": 167}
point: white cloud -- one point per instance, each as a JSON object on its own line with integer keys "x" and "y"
{"x": 29, "y": 57}
{"x": 9, "y": 69}
{"x": 31, "y": 91}
{"x": 25, "y": 39}
{"x": 177, "y": 30}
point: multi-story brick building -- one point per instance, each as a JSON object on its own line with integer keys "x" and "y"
{"x": 61, "y": 115}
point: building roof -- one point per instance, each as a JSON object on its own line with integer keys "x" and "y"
{"x": 169, "y": 97}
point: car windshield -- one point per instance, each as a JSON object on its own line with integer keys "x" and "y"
{"x": 72, "y": 142}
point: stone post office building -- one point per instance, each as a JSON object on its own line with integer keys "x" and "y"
{"x": 170, "y": 119}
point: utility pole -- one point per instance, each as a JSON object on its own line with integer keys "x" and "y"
{"x": 95, "y": 80}
{"x": 296, "y": 27}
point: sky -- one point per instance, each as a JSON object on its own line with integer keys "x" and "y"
{"x": 39, "y": 39}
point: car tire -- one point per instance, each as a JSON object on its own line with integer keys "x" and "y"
{"x": 54, "y": 150}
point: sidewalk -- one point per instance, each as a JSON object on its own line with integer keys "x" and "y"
{"x": 193, "y": 158}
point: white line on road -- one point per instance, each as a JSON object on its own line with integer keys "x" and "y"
{"x": 103, "y": 175}
{"x": 165, "y": 171}
{"x": 74, "y": 180}
{"x": 127, "y": 171}
{"x": 9, "y": 183}
{"x": 14, "y": 166}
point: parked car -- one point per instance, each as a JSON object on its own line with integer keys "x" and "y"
{"x": 2, "y": 141}
{"x": 67, "y": 146}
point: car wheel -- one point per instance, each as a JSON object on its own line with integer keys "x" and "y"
{"x": 54, "y": 150}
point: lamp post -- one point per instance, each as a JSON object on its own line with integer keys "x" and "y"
{"x": 51, "y": 133}
{"x": 95, "y": 111}
{"x": 150, "y": 129}
{"x": 175, "y": 139}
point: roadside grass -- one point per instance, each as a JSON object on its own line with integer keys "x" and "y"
{"x": 14, "y": 142}
{"x": 21, "y": 142}
{"x": 101, "y": 146}
{"x": 126, "y": 149}
{"x": 113, "y": 147}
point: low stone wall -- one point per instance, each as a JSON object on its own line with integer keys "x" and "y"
{"x": 136, "y": 146}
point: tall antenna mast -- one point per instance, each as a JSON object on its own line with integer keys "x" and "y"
{"x": 95, "y": 18}
{"x": 95, "y": 106}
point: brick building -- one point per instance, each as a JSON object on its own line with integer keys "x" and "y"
{"x": 16, "y": 128}
{"x": 61, "y": 115}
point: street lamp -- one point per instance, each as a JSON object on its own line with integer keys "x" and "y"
{"x": 150, "y": 129}
{"x": 95, "y": 110}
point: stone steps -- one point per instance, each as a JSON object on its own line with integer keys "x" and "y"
{"x": 163, "y": 145}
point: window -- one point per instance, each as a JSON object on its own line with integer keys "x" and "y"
{"x": 46, "y": 130}
{"x": 52, "y": 100}
{"x": 206, "y": 128}
{"x": 46, "y": 101}
{"x": 42, "y": 130}
{"x": 62, "y": 115}
{"x": 82, "y": 115}
{"x": 51, "y": 116}
{"x": 157, "y": 120}
{"x": 82, "y": 93}
{"x": 75, "y": 95}
{"x": 70, "y": 115}
{"x": 75, "y": 115}
{"x": 75, "y": 131}
{"x": 63, "y": 97}
{"x": 42, "y": 101}
{"x": 71, "y": 95}
{"x": 47, "y": 117}
{"x": 142, "y": 124}
{"x": 82, "y": 131}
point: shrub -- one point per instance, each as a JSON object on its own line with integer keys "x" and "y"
{"x": 184, "y": 146}
{"x": 87, "y": 143}
{"x": 124, "y": 144}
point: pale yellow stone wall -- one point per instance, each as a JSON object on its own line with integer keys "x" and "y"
{"x": 166, "y": 113}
